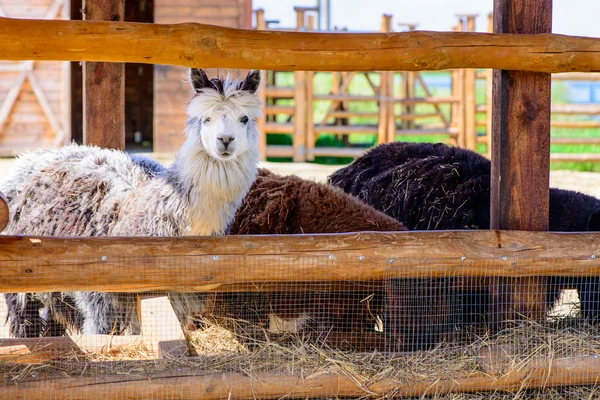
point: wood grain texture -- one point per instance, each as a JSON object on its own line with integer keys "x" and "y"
{"x": 520, "y": 179}
{"x": 208, "y": 46}
{"x": 104, "y": 86}
{"x": 37, "y": 264}
{"x": 145, "y": 380}
{"x": 38, "y": 350}
{"x": 4, "y": 212}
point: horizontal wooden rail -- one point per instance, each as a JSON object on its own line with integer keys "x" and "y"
{"x": 563, "y": 109}
{"x": 196, "y": 383}
{"x": 197, "y": 45}
{"x": 31, "y": 264}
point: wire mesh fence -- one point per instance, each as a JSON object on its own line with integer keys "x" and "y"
{"x": 289, "y": 335}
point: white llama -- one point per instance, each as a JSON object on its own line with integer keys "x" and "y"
{"x": 88, "y": 191}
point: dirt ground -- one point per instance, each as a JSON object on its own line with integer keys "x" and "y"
{"x": 585, "y": 182}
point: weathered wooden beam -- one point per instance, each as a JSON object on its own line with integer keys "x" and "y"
{"x": 39, "y": 350}
{"x": 520, "y": 180}
{"x": 197, "y": 45}
{"x": 207, "y": 263}
{"x": 104, "y": 86}
{"x": 144, "y": 380}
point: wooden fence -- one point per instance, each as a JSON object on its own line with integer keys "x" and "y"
{"x": 31, "y": 263}
{"x": 37, "y": 264}
{"x": 247, "y": 263}
{"x": 392, "y": 96}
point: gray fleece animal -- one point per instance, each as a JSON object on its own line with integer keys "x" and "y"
{"x": 88, "y": 191}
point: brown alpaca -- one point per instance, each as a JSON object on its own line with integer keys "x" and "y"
{"x": 291, "y": 205}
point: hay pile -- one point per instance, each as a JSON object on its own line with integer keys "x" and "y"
{"x": 217, "y": 350}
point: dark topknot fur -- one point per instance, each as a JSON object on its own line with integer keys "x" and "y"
{"x": 199, "y": 80}
{"x": 435, "y": 186}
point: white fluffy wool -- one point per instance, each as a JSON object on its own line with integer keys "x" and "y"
{"x": 197, "y": 195}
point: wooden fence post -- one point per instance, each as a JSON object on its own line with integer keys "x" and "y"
{"x": 489, "y": 96}
{"x": 386, "y": 92}
{"x": 470, "y": 105}
{"x": 310, "y": 105}
{"x": 409, "y": 88}
{"x": 104, "y": 86}
{"x": 520, "y": 158}
{"x": 299, "y": 134}
{"x": 458, "y": 91}
{"x": 261, "y": 122}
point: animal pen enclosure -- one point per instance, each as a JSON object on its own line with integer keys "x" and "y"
{"x": 356, "y": 110}
{"x": 372, "y": 297}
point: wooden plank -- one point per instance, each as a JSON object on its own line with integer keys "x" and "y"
{"x": 520, "y": 158}
{"x": 276, "y": 127}
{"x": 311, "y": 136}
{"x": 575, "y": 124}
{"x": 458, "y": 91}
{"x": 37, "y": 350}
{"x": 280, "y": 91}
{"x": 428, "y": 131}
{"x": 350, "y": 114}
{"x": 280, "y": 151}
{"x": 218, "y": 47}
{"x": 40, "y": 264}
{"x": 576, "y": 76}
{"x": 489, "y": 95}
{"x": 48, "y": 112}
{"x": 262, "y": 94}
{"x": 429, "y": 100}
{"x": 346, "y": 97}
{"x": 299, "y": 133}
{"x": 104, "y": 86}
{"x": 575, "y": 157}
{"x": 498, "y": 374}
{"x": 286, "y": 110}
{"x": 161, "y": 329}
{"x": 338, "y": 151}
{"x": 386, "y": 91}
{"x": 470, "y": 121}
{"x": 562, "y": 109}
{"x": 420, "y": 116}
{"x": 343, "y": 129}
{"x": 11, "y": 98}
{"x": 573, "y": 109}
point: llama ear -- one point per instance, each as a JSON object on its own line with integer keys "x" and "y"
{"x": 252, "y": 81}
{"x": 593, "y": 222}
{"x": 198, "y": 79}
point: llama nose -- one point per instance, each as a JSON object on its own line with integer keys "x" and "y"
{"x": 225, "y": 140}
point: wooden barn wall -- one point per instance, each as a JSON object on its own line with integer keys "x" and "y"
{"x": 171, "y": 91}
{"x": 27, "y": 126}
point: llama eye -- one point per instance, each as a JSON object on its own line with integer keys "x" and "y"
{"x": 206, "y": 120}
{"x": 244, "y": 120}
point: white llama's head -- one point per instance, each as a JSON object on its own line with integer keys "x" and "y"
{"x": 222, "y": 114}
